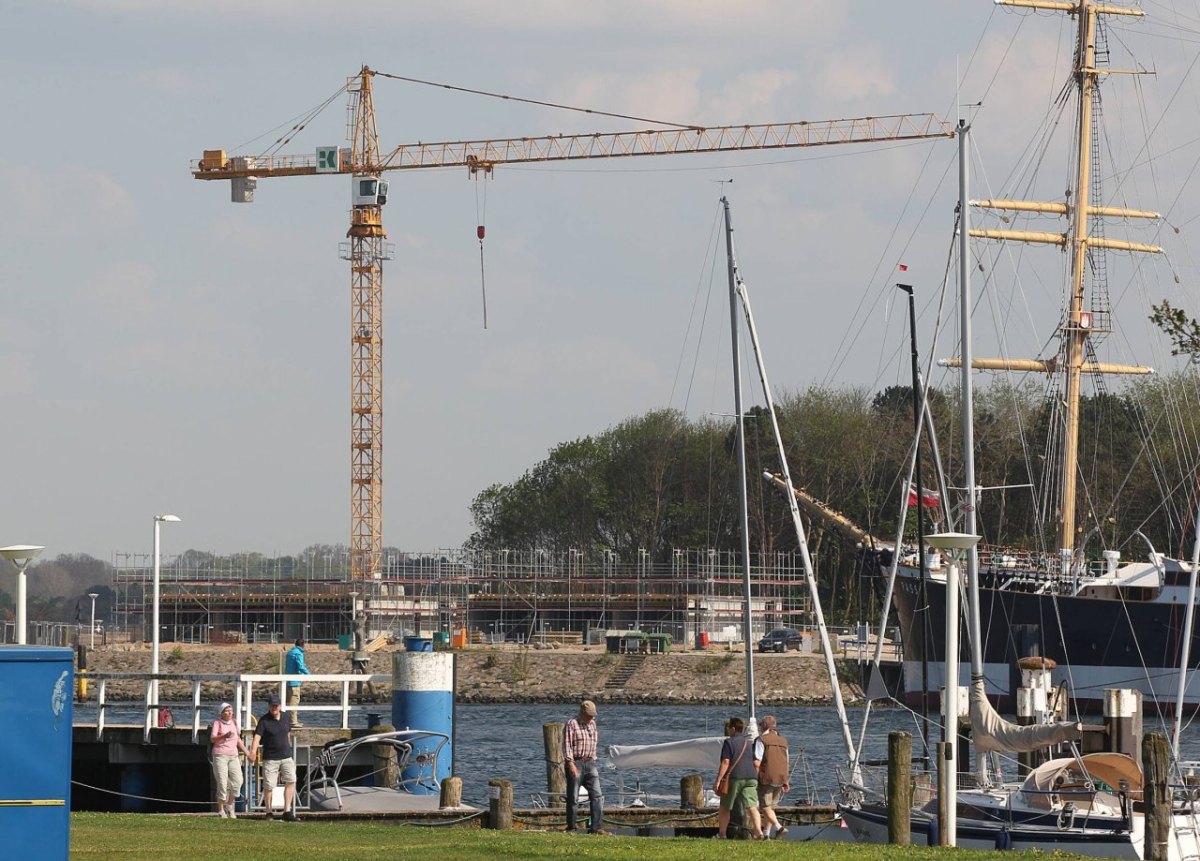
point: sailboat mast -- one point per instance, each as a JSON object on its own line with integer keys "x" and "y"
{"x": 1076, "y": 325}
{"x": 741, "y": 453}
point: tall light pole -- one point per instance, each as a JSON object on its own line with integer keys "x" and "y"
{"x": 93, "y": 596}
{"x": 955, "y": 544}
{"x": 21, "y": 555}
{"x": 158, "y": 518}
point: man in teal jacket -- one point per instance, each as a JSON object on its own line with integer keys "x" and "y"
{"x": 295, "y": 666}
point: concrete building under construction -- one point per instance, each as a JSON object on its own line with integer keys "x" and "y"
{"x": 498, "y": 596}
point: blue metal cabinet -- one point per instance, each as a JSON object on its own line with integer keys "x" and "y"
{"x": 36, "y": 686}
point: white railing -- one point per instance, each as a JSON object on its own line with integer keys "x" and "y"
{"x": 243, "y": 694}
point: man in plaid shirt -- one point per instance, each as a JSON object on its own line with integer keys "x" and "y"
{"x": 581, "y": 741}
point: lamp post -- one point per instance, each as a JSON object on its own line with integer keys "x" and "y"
{"x": 21, "y": 555}
{"x": 158, "y": 519}
{"x": 93, "y": 596}
{"x": 353, "y": 608}
{"x": 955, "y": 544}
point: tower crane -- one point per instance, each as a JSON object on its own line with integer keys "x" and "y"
{"x": 367, "y": 247}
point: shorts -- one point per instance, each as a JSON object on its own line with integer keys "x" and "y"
{"x": 276, "y": 769}
{"x": 769, "y": 795}
{"x": 746, "y": 788}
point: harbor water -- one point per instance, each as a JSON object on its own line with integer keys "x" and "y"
{"x": 505, "y": 740}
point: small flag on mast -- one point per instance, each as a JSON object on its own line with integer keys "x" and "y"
{"x": 903, "y": 267}
{"x": 928, "y": 498}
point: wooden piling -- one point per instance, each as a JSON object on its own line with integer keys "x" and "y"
{"x": 386, "y": 767}
{"x": 556, "y": 776}
{"x": 500, "y": 800}
{"x": 944, "y": 776}
{"x": 451, "y": 793}
{"x": 1157, "y": 795}
{"x": 899, "y": 788}
{"x": 691, "y": 791}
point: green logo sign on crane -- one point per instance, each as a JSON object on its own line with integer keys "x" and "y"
{"x": 327, "y": 159}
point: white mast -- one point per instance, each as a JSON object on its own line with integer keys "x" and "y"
{"x": 741, "y": 455}
{"x": 809, "y": 575}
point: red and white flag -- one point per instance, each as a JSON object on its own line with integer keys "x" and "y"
{"x": 929, "y": 499}
{"x": 903, "y": 267}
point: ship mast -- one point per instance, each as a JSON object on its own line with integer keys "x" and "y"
{"x": 1078, "y": 323}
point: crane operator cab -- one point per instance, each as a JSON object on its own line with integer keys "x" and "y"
{"x": 370, "y": 191}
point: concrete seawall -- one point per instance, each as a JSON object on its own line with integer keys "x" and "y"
{"x": 521, "y": 674}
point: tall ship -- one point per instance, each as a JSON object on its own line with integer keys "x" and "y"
{"x": 1108, "y": 611}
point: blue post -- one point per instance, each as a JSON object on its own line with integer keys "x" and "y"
{"x": 423, "y": 698}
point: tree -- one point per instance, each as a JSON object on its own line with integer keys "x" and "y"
{"x": 1183, "y": 331}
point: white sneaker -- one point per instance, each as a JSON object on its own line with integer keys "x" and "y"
{"x": 232, "y": 812}
{"x": 222, "y": 812}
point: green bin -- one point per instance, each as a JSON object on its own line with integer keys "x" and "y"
{"x": 441, "y": 641}
{"x": 345, "y": 642}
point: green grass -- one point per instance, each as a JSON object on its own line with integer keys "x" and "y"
{"x": 134, "y": 836}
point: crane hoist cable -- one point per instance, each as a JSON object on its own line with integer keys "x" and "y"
{"x": 480, "y": 231}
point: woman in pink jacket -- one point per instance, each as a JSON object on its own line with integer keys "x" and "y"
{"x": 226, "y": 740}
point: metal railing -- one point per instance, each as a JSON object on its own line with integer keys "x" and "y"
{"x": 243, "y": 694}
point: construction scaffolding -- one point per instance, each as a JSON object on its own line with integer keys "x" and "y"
{"x": 499, "y": 596}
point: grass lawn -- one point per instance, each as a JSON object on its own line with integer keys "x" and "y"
{"x": 135, "y": 836}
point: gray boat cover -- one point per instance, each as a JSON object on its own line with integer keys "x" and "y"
{"x": 991, "y": 732}
{"x": 702, "y": 754}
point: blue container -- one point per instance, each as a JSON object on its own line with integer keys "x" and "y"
{"x": 423, "y": 698}
{"x": 418, "y": 644}
{"x": 36, "y": 686}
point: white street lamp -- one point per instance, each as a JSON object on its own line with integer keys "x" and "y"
{"x": 93, "y": 596}
{"x": 21, "y": 555}
{"x": 353, "y": 607}
{"x": 955, "y": 544}
{"x": 158, "y": 518}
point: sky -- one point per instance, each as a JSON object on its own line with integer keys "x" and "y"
{"x": 165, "y": 350}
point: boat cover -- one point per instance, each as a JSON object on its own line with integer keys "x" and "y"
{"x": 1067, "y": 774}
{"x": 991, "y": 732}
{"x": 702, "y": 754}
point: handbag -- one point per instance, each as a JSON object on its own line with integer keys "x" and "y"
{"x": 723, "y": 785}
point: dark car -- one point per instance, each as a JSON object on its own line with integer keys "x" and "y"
{"x": 780, "y": 640}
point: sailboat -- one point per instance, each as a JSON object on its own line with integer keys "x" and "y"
{"x": 1084, "y": 803}
{"x": 1053, "y": 603}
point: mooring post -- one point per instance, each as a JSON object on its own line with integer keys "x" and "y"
{"x": 500, "y": 815}
{"x": 556, "y": 777}
{"x": 944, "y": 776}
{"x": 691, "y": 791}
{"x": 1157, "y": 795}
{"x": 451, "y": 793}
{"x": 899, "y": 788}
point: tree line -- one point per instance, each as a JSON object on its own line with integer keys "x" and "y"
{"x": 661, "y": 481}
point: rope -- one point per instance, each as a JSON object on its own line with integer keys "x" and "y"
{"x": 536, "y": 102}
{"x": 458, "y": 821}
{"x": 141, "y": 797}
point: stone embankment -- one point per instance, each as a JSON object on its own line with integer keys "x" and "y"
{"x": 517, "y": 674}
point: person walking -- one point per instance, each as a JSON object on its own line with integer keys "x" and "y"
{"x": 581, "y": 741}
{"x": 225, "y": 736}
{"x": 295, "y": 666}
{"x": 274, "y": 734}
{"x": 773, "y": 773}
{"x": 739, "y": 767}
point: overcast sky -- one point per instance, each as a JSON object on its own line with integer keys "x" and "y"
{"x": 164, "y": 350}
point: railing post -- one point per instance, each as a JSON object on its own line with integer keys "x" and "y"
{"x": 147, "y": 697}
{"x": 100, "y": 691}
{"x": 195, "y": 711}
